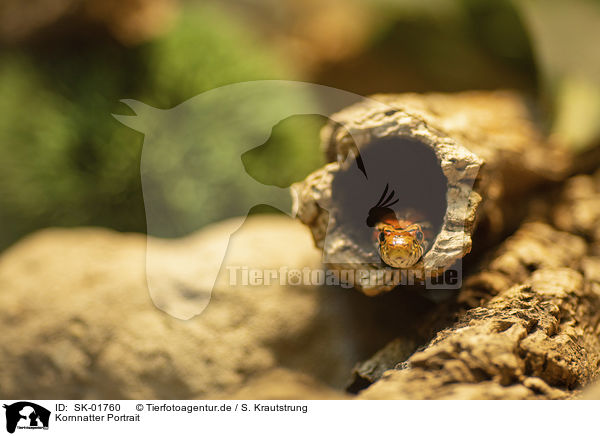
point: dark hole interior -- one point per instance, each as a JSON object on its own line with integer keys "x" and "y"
{"x": 408, "y": 167}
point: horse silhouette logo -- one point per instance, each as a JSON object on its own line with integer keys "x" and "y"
{"x": 26, "y": 415}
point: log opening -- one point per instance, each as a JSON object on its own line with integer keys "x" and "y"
{"x": 409, "y": 173}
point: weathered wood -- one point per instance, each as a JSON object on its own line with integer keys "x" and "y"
{"x": 529, "y": 320}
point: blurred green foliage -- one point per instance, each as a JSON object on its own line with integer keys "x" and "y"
{"x": 66, "y": 161}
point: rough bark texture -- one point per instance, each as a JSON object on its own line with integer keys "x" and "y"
{"x": 486, "y": 145}
{"x": 529, "y": 320}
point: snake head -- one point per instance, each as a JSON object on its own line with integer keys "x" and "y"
{"x": 400, "y": 248}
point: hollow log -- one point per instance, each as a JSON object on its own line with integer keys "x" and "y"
{"x": 462, "y": 160}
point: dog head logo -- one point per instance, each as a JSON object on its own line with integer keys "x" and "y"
{"x": 26, "y": 415}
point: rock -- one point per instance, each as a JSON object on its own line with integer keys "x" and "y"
{"x": 78, "y": 321}
{"x": 282, "y": 384}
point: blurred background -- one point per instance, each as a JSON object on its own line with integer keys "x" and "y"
{"x": 65, "y": 64}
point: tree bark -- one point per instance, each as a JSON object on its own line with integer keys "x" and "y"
{"x": 528, "y": 321}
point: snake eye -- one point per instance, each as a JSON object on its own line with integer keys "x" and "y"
{"x": 381, "y": 237}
